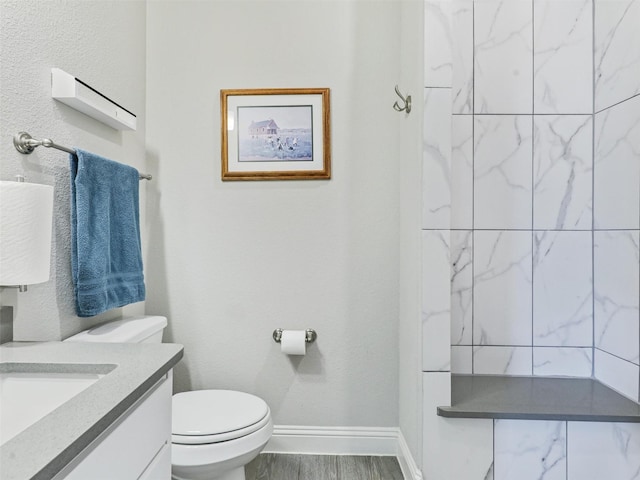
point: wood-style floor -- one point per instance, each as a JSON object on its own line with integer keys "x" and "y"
{"x": 271, "y": 466}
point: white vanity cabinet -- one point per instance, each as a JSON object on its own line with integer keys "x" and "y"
{"x": 136, "y": 446}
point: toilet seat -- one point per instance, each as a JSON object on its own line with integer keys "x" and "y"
{"x": 213, "y": 416}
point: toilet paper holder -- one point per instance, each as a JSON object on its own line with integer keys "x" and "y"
{"x": 309, "y": 337}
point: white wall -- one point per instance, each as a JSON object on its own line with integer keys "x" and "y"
{"x": 409, "y": 324}
{"x": 230, "y": 262}
{"x": 102, "y": 43}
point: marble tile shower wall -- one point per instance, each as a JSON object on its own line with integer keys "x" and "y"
{"x": 531, "y": 226}
{"x": 537, "y": 202}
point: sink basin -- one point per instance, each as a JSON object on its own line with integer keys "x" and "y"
{"x": 30, "y": 391}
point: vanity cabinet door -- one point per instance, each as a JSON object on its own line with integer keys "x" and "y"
{"x": 137, "y": 445}
{"x": 160, "y": 467}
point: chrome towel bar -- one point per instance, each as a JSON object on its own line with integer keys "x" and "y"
{"x": 26, "y": 144}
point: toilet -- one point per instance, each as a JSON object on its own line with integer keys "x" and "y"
{"x": 214, "y": 433}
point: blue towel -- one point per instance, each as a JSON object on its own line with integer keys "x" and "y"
{"x": 106, "y": 256}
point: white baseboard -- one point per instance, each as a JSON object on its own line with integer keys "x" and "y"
{"x": 344, "y": 441}
{"x": 333, "y": 440}
{"x": 407, "y": 463}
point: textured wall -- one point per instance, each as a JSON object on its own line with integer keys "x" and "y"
{"x": 102, "y": 43}
{"x": 232, "y": 261}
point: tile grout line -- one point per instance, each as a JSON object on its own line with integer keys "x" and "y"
{"x": 533, "y": 110}
{"x": 524, "y": 346}
{"x": 584, "y": 114}
{"x": 566, "y": 449}
{"x": 493, "y": 452}
{"x": 588, "y": 230}
{"x": 593, "y": 188}
{"x": 473, "y": 180}
{"x": 617, "y": 356}
{"x": 615, "y": 104}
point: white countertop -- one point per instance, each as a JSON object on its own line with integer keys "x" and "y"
{"x": 44, "y": 448}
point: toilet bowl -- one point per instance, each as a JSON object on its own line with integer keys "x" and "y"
{"x": 217, "y": 444}
{"x": 214, "y": 433}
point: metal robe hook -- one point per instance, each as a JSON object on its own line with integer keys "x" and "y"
{"x": 406, "y": 101}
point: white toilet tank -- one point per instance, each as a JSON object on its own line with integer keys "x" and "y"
{"x": 140, "y": 329}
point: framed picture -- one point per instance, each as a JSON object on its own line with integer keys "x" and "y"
{"x": 275, "y": 134}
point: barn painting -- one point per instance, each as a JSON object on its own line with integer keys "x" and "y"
{"x": 264, "y": 127}
{"x": 275, "y": 133}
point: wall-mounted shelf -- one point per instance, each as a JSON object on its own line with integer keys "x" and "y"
{"x": 77, "y": 94}
{"x": 537, "y": 398}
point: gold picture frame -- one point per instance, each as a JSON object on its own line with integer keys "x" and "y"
{"x": 276, "y": 134}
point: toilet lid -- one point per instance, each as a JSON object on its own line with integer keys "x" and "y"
{"x": 209, "y": 416}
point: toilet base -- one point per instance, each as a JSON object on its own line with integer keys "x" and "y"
{"x": 232, "y": 469}
{"x": 235, "y": 474}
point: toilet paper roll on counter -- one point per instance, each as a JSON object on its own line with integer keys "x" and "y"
{"x": 293, "y": 342}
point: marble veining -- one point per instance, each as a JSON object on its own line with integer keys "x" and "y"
{"x": 617, "y": 51}
{"x": 563, "y": 172}
{"x": 503, "y": 70}
{"x": 534, "y": 450}
{"x": 490, "y": 360}
{"x": 616, "y": 285}
{"x": 436, "y": 305}
{"x": 474, "y": 458}
{"x": 562, "y": 284}
{"x": 462, "y": 171}
{"x": 462, "y": 55}
{"x": 617, "y": 166}
{"x": 461, "y": 286}
{"x": 502, "y": 288}
{"x": 436, "y": 206}
{"x": 563, "y": 59}
{"x": 563, "y": 361}
{"x": 603, "y": 450}
{"x": 437, "y": 44}
{"x": 502, "y": 172}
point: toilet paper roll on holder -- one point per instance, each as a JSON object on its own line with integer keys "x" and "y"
{"x": 309, "y": 337}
